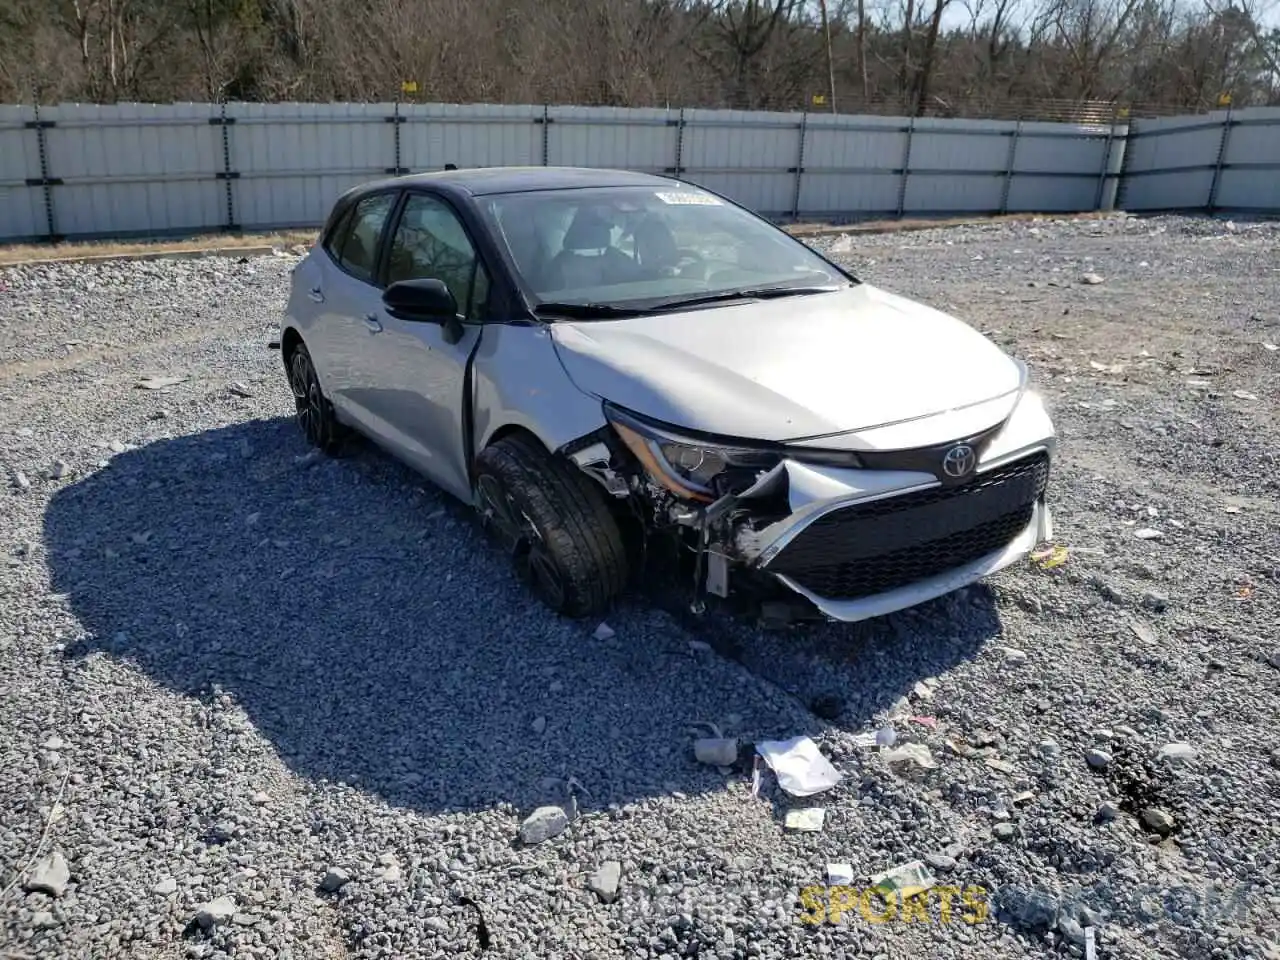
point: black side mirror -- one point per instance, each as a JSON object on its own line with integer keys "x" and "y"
{"x": 426, "y": 300}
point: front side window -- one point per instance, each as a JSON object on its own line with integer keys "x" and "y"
{"x": 646, "y": 246}
{"x": 358, "y": 252}
{"x": 430, "y": 243}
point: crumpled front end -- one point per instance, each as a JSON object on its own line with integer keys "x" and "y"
{"x": 859, "y": 554}
{"x": 859, "y": 540}
{"x": 862, "y": 543}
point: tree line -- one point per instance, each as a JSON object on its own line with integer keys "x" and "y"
{"x": 917, "y": 57}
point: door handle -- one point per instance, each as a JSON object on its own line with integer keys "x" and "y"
{"x": 316, "y": 294}
{"x": 373, "y": 323}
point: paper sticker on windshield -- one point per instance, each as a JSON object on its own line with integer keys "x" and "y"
{"x": 702, "y": 199}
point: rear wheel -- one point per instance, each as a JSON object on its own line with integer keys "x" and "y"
{"x": 554, "y": 523}
{"x": 313, "y": 410}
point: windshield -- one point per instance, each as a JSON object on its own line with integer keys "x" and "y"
{"x": 648, "y": 246}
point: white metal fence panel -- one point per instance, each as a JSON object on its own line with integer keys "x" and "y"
{"x": 852, "y": 165}
{"x": 291, "y": 161}
{"x": 1057, "y": 166}
{"x": 748, "y": 156}
{"x": 956, "y": 166}
{"x": 22, "y": 211}
{"x": 643, "y": 140}
{"x": 1227, "y": 160}
{"x": 1250, "y": 170}
{"x": 131, "y": 169}
{"x": 480, "y": 135}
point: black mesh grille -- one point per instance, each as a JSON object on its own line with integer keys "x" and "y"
{"x": 869, "y": 548}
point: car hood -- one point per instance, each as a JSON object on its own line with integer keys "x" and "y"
{"x": 789, "y": 369}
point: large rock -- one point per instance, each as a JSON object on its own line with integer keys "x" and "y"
{"x": 1157, "y": 819}
{"x": 543, "y": 824}
{"x": 605, "y": 880}
{"x": 1177, "y": 752}
{"x": 716, "y": 751}
{"x": 1098, "y": 759}
{"x": 1033, "y": 910}
{"x": 49, "y": 876}
{"x": 165, "y": 887}
{"x": 216, "y": 911}
{"x": 335, "y": 878}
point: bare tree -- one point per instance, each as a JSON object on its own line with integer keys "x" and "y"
{"x": 744, "y": 28}
{"x": 896, "y": 55}
{"x": 1090, "y": 30}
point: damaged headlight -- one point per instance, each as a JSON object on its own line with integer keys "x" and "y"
{"x": 691, "y": 468}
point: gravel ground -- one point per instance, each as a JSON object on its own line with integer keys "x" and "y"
{"x": 235, "y": 676}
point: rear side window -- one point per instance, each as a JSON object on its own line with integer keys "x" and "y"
{"x": 355, "y": 242}
{"x": 333, "y": 243}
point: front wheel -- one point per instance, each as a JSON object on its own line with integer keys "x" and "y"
{"x": 554, "y": 523}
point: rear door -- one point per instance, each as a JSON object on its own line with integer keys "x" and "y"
{"x": 421, "y": 389}
{"x": 347, "y": 298}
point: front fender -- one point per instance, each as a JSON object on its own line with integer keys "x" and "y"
{"x": 518, "y": 381}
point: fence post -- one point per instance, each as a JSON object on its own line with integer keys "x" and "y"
{"x": 906, "y": 166}
{"x": 545, "y": 120}
{"x": 1106, "y": 163}
{"x": 44, "y": 181}
{"x": 1122, "y": 175}
{"x": 679, "y": 125}
{"x": 799, "y": 168}
{"x": 395, "y": 120}
{"x": 1010, "y": 164}
{"x": 1223, "y": 142}
{"x": 680, "y": 144}
{"x": 226, "y": 174}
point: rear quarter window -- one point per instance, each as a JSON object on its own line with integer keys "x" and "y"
{"x": 354, "y": 242}
{"x": 338, "y": 232}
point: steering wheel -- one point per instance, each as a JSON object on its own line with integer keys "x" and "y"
{"x": 697, "y": 270}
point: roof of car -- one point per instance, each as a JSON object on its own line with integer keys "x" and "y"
{"x": 482, "y": 181}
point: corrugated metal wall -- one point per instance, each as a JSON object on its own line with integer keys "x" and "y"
{"x": 22, "y": 211}
{"x": 132, "y": 169}
{"x": 1227, "y": 160}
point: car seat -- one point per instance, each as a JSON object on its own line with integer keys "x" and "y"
{"x": 583, "y": 260}
{"x": 655, "y": 246}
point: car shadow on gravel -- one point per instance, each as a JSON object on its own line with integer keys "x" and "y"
{"x": 373, "y": 637}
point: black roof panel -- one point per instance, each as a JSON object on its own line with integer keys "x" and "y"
{"x": 481, "y": 181}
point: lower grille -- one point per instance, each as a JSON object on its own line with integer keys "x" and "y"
{"x": 865, "y": 549}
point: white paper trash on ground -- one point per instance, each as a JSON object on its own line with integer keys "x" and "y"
{"x": 799, "y": 765}
{"x": 807, "y": 819}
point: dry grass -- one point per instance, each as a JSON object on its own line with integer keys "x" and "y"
{"x": 103, "y": 249}
{"x": 908, "y": 223}
{"x": 233, "y": 243}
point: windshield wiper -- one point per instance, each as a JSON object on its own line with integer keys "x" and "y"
{"x": 586, "y": 311}
{"x": 749, "y": 293}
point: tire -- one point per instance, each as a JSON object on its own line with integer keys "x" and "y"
{"x": 313, "y": 410}
{"x": 554, "y": 523}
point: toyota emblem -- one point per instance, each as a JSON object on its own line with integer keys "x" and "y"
{"x": 959, "y": 461}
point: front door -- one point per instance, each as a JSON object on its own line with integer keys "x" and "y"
{"x": 421, "y": 377}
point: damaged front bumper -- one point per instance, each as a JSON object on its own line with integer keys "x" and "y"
{"x": 859, "y": 544}
{"x": 1037, "y": 530}
{"x": 854, "y": 538}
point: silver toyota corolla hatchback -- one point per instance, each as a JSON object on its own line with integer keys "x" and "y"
{"x": 620, "y": 370}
